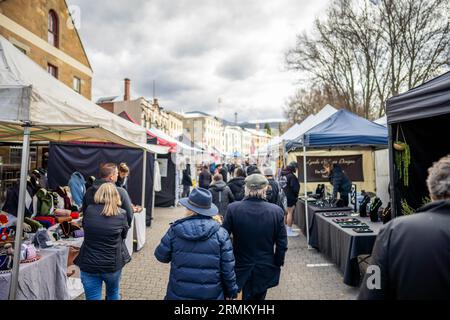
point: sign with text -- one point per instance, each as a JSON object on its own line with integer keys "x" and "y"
{"x": 163, "y": 167}
{"x": 352, "y": 166}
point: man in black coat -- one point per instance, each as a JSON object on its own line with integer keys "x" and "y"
{"x": 109, "y": 173}
{"x": 411, "y": 256}
{"x": 259, "y": 239}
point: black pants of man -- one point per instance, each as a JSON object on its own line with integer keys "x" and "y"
{"x": 186, "y": 191}
{"x": 249, "y": 294}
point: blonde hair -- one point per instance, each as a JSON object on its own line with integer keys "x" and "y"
{"x": 108, "y": 195}
{"x": 218, "y": 218}
{"x": 124, "y": 168}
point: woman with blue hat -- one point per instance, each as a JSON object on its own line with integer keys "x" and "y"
{"x": 200, "y": 253}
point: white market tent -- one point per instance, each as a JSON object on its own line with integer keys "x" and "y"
{"x": 34, "y": 106}
{"x": 170, "y": 139}
{"x": 298, "y": 129}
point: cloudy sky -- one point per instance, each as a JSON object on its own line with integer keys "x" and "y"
{"x": 197, "y": 51}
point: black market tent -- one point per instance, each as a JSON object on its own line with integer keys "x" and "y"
{"x": 166, "y": 197}
{"x": 34, "y": 106}
{"x": 66, "y": 158}
{"x": 420, "y": 117}
{"x": 343, "y": 129}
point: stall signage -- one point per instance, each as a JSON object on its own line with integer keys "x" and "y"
{"x": 351, "y": 165}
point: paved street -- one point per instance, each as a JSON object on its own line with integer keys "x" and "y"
{"x": 144, "y": 278}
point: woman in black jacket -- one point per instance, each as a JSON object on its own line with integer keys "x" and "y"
{"x": 103, "y": 253}
{"x": 204, "y": 179}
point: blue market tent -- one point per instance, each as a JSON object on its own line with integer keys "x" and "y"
{"x": 343, "y": 129}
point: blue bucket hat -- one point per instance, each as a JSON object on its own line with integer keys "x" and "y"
{"x": 200, "y": 202}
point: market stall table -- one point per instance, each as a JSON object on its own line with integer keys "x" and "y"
{"x": 343, "y": 245}
{"x": 44, "y": 279}
{"x": 300, "y": 218}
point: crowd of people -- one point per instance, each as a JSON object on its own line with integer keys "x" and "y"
{"x": 234, "y": 236}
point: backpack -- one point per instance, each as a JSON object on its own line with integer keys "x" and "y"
{"x": 283, "y": 182}
{"x": 272, "y": 192}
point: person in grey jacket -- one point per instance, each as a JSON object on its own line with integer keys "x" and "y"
{"x": 411, "y": 256}
{"x": 221, "y": 194}
{"x": 109, "y": 173}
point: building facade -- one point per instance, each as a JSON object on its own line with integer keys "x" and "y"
{"x": 45, "y": 32}
{"x": 149, "y": 114}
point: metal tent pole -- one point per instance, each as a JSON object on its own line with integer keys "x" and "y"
{"x": 144, "y": 177}
{"x": 305, "y": 181}
{"x": 20, "y": 211}
{"x": 153, "y": 189}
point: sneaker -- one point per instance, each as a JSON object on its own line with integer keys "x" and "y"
{"x": 291, "y": 233}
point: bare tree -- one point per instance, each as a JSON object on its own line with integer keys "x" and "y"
{"x": 367, "y": 52}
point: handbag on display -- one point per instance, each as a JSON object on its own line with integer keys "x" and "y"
{"x": 386, "y": 215}
{"x": 68, "y": 229}
{"x": 363, "y": 206}
{"x": 374, "y": 208}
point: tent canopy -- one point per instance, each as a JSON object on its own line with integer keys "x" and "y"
{"x": 346, "y": 129}
{"x": 427, "y": 100}
{"x": 310, "y": 122}
{"x": 28, "y": 94}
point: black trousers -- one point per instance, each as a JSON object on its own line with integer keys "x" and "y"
{"x": 344, "y": 198}
{"x": 249, "y": 294}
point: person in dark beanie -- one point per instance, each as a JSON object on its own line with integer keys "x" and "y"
{"x": 339, "y": 180}
{"x": 204, "y": 179}
{"x": 411, "y": 255}
{"x": 275, "y": 193}
{"x": 291, "y": 187}
{"x": 200, "y": 253}
{"x": 221, "y": 193}
{"x": 237, "y": 184}
{"x": 259, "y": 239}
{"x": 223, "y": 172}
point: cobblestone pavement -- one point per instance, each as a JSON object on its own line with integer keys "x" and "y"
{"x": 144, "y": 278}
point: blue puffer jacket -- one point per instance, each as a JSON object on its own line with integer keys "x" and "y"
{"x": 202, "y": 260}
{"x": 77, "y": 185}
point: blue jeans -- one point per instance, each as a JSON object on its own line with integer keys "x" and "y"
{"x": 93, "y": 283}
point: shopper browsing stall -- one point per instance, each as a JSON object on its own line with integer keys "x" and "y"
{"x": 122, "y": 179}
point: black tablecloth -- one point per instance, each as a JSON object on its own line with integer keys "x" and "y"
{"x": 343, "y": 245}
{"x": 300, "y": 219}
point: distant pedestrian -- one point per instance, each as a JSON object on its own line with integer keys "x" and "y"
{"x": 237, "y": 184}
{"x": 291, "y": 187}
{"x": 221, "y": 170}
{"x": 259, "y": 239}
{"x": 186, "y": 181}
{"x": 412, "y": 253}
{"x": 204, "y": 179}
{"x": 103, "y": 253}
{"x": 200, "y": 253}
{"x": 275, "y": 193}
{"x": 221, "y": 194}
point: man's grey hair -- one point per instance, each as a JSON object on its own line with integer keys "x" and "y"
{"x": 438, "y": 181}
{"x": 256, "y": 193}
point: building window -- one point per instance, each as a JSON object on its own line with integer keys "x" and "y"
{"x": 52, "y": 70}
{"x": 77, "y": 84}
{"x": 53, "y": 28}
